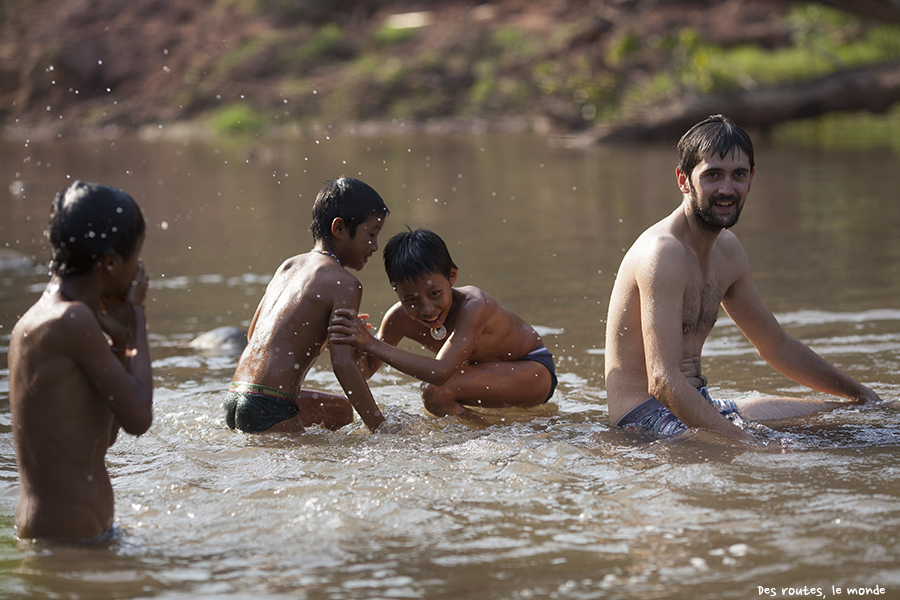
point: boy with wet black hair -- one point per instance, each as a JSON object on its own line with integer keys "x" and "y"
{"x": 485, "y": 355}
{"x": 290, "y": 327}
{"x": 79, "y": 367}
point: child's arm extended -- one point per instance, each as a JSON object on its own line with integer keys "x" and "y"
{"x": 121, "y": 372}
{"x": 348, "y": 373}
{"x": 396, "y": 325}
{"x": 354, "y": 384}
{"x": 368, "y": 363}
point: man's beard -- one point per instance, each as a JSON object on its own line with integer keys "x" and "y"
{"x": 707, "y": 218}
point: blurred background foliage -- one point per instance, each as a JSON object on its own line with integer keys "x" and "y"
{"x": 564, "y": 66}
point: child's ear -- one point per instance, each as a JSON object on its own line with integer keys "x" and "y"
{"x": 109, "y": 261}
{"x": 338, "y": 227}
{"x": 453, "y": 274}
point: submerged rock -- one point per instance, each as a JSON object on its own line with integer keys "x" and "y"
{"x": 221, "y": 339}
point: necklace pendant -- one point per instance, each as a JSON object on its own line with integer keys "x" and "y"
{"x": 439, "y": 333}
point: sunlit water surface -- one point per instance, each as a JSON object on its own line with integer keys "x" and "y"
{"x": 546, "y": 503}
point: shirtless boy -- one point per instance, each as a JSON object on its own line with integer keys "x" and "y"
{"x": 485, "y": 355}
{"x": 290, "y": 327}
{"x": 79, "y": 367}
{"x": 666, "y": 299}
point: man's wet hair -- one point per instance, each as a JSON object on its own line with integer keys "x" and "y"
{"x": 716, "y": 134}
{"x": 351, "y": 200}
{"x": 411, "y": 255}
{"x": 89, "y": 221}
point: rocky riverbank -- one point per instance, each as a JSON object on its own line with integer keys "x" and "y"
{"x": 107, "y": 68}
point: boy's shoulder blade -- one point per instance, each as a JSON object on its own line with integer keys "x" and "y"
{"x": 307, "y": 277}
{"x": 52, "y": 310}
{"x": 312, "y": 266}
{"x": 57, "y": 329}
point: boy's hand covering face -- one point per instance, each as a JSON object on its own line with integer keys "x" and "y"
{"x": 116, "y": 314}
{"x": 138, "y": 290}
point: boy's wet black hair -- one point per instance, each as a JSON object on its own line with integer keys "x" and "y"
{"x": 715, "y": 134}
{"x": 414, "y": 254}
{"x": 88, "y": 221}
{"x": 347, "y": 198}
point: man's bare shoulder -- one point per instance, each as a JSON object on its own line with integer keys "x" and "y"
{"x": 729, "y": 244}
{"x": 658, "y": 247}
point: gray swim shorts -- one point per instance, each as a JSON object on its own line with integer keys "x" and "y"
{"x": 654, "y": 419}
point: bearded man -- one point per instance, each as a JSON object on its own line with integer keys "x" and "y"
{"x": 666, "y": 299}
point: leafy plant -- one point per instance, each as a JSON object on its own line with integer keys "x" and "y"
{"x": 237, "y": 118}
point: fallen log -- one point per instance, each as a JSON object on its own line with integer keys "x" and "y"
{"x": 872, "y": 89}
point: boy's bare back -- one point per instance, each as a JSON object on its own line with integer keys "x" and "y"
{"x": 290, "y": 327}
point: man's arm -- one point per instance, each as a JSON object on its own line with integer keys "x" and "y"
{"x": 661, "y": 280}
{"x": 783, "y": 352}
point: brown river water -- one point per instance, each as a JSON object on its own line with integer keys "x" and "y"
{"x": 548, "y": 503}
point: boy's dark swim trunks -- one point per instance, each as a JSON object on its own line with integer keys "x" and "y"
{"x": 254, "y": 408}
{"x": 543, "y": 356}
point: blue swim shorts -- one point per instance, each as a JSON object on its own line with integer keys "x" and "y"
{"x": 652, "y": 418}
{"x": 543, "y": 356}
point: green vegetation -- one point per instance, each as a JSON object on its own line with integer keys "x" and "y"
{"x": 237, "y": 118}
{"x": 853, "y": 130}
{"x": 512, "y": 71}
{"x": 328, "y": 42}
{"x": 304, "y": 60}
{"x": 386, "y": 35}
{"x": 824, "y": 41}
{"x": 372, "y": 74}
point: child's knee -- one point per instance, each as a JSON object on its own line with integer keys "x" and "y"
{"x": 436, "y": 400}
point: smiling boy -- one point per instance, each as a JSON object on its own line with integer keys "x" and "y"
{"x": 485, "y": 356}
{"x": 290, "y": 327}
